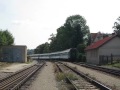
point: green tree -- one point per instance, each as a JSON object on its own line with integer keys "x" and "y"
{"x": 43, "y": 48}
{"x": 81, "y": 54}
{"x": 73, "y": 32}
{"x": 81, "y": 48}
{"x": 46, "y": 48}
{"x": 53, "y": 42}
{"x": 117, "y": 26}
{"x": 88, "y": 40}
{"x": 6, "y": 38}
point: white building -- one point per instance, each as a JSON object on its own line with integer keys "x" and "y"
{"x": 106, "y": 46}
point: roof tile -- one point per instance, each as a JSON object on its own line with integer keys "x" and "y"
{"x": 99, "y": 43}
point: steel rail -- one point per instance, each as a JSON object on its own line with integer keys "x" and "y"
{"x": 18, "y": 85}
{"x": 15, "y": 81}
{"x": 103, "y": 69}
{"x": 15, "y": 77}
{"x": 89, "y": 79}
{"x": 15, "y": 73}
{"x": 75, "y": 87}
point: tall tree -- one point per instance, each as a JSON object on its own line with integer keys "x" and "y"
{"x": 117, "y": 26}
{"x": 6, "y": 38}
{"x": 52, "y": 43}
{"x": 73, "y": 32}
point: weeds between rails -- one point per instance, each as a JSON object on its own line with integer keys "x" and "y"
{"x": 88, "y": 79}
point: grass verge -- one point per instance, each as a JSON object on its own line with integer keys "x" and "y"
{"x": 117, "y": 65}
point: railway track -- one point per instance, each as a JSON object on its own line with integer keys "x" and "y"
{"x": 81, "y": 81}
{"x": 103, "y": 69}
{"x": 16, "y": 80}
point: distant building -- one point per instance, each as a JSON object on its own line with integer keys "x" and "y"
{"x": 98, "y": 36}
{"x": 30, "y": 51}
{"x": 106, "y": 46}
{"x": 15, "y": 53}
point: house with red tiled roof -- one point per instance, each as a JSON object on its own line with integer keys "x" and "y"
{"x": 98, "y": 36}
{"x": 106, "y": 46}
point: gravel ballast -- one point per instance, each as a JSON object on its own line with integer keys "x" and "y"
{"x": 102, "y": 77}
{"x": 45, "y": 79}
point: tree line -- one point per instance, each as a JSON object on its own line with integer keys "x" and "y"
{"x": 74, "y": 33}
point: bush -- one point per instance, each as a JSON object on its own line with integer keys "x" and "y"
{"x": 60, "y": 76}
{"x": 81, "y": 57}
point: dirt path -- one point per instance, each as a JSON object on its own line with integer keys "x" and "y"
{"x": 102, "y": 77}
{"x": 16, "y": 66}
{"x": 5, "y": 71}
{"x": 45, "y": 80}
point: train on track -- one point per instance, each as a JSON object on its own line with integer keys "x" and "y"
{"x": 69, "y": 54}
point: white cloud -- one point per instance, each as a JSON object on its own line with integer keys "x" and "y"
{"x": 19, "y": 22}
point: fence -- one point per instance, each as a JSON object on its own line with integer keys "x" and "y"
{"x": 109, "y": 59}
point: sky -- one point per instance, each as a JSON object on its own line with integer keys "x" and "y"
{"x": 31, "y": 22}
